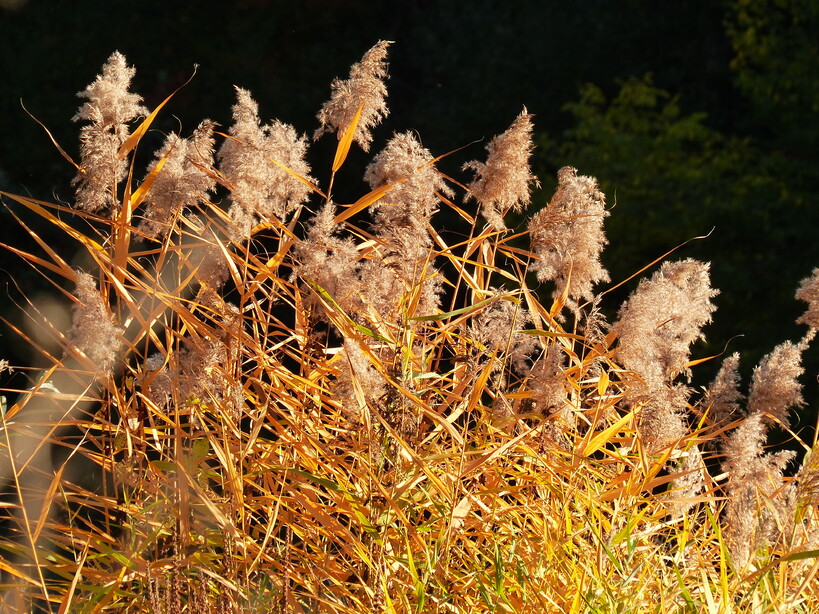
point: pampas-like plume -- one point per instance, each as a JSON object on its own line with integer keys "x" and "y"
{"x": 109, "y": 108}
{"x": 758, "y": 507}
{"x": 251, "y": 159}
{"x": 181, "y": 182}
{"x": 567, "y": 236}
{"x": 93, "y": 331}
{"x": 363, "y": 90}
{"x": 775, "y": 387}
{"x": 504, "y": 181}
{"x": 809, "y": 292}
{"x": 755, "y": 510}
{"x": 662, "y": 318}
{"x": 401, "y": 224}
{"x": 407, "y": 165}
{"x": 656, "y": 326}
{"x": 401, "y": 221}
{"x": 723, "y": 396}
{"x": 329, "y": 260}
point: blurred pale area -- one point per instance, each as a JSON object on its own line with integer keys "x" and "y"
{"x": 12, "y": 5}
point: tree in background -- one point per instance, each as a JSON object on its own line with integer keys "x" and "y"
{"x": 776, "y": 55}
{"x": 673, "y": 176}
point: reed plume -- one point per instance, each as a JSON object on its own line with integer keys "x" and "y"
{"x": 363, "y": 93}
{"x": 504, "y": 181}
{"x": 184, "y": 179}
{"x": 656, "y": 327}
{"x": 567, "y": 237}
{"x": 259, "y": 162}
{"x": 109, "y": 108}
{"x": 93, "y": 328}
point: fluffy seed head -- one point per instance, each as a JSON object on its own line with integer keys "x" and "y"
{"x": 358, "y": 370}
{"x": 110, "y": 104}
{"x": 809, "y": 292}
{"x": 755, "y": 510}
{"x": 567, "y": 236}
{"x": 109, "y": 108}
{"x": 364, "y": 90}
{"x": 723, "y": 396}
{"x": 407, "y": 165}
{"x": 503, "y": 182}
{"x": 181, "y": 182}
{"x": 401, "y": 220}
{"x": 775, "y": 386}
{"x": 251, "y": 163}
{"x": 204, "y": 368}
{"x": 330, "y": 260}
{"x": 656, "y": 326}
{"x": 689, "y": 481}
{"x": 93, "y": 330}
{"x": 662, "y": 422}
{"x": 662, "y": 318}
{"x": 547, "y": 380}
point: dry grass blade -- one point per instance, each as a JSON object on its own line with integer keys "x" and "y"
{"x": 136, "y": 136}
{"x": 52, "y": 139}
{"x": 345, "y": 140}
{"x": 362, "y": 203}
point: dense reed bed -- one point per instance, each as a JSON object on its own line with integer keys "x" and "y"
{"x": 269, "y": 401}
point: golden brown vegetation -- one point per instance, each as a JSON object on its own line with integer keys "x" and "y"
{"x": 261, "y": 408}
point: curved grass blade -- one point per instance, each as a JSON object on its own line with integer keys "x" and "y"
{"x": 346, "y": 140}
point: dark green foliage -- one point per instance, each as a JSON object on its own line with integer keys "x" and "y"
{"x": 744, "y": 168}
{"x": 776, "y": 55}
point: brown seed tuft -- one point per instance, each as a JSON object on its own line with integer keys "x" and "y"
{"x": 503, "y": 182}
{"x": 109, "y": 108}
{"x": 568, "y": 238}
{"x": 364, "y": 90}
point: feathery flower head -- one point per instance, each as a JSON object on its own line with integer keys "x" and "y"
{"x": 567, "y": 236}
{"x": 329, "y": 260}
{"x": 503, "y": 182}
{"x": 662, "y": 318}
{"x": 109, "y": 108}
{"x": 250, "y": 161}
{"x": 363, "y": 90}
{"x": 656, "y": 326}
{"x": 110, "y": 104}
{"x": 754, "y": 479}
{"x": 723, "y": 396}
{"x": 407, "y": 165}
{"x": 775, "y": 386}
{"x": 93, "y": 331}
{"x": 401, "y": 219}
{"x": 181, "y": 182}
{"x": 809, "y": 292}
{"x": 662, "y": 420}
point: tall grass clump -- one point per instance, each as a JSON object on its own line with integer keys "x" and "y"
{"x": 269, "y": 401}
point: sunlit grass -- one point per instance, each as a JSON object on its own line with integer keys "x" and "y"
{"x": 254, "y": 487}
